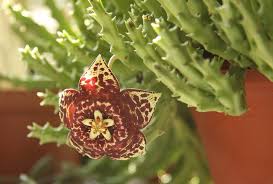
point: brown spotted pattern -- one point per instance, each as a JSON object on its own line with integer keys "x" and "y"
{"x": 66, "y": 105}
{"x": 145, "y": 103}
{"x": 130, "y": 109}
{"x": 99, "y": 79}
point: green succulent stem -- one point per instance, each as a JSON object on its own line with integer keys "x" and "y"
{"x": 35, "y": 34}
{"x": 185, "y": 92}
{"x": 111, "y": 35}
{"x": 41, "y": 65}
{"x": 243, "y": 28}
{"x": 48, "y": 133}
{"x": 197, "y": 81}
{"x": 201, "y": 31}
{"x": 59, "y": 16}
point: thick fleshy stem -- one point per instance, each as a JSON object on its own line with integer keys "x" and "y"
{"x": 152, "y": 6}
{"x": 76, "y": 48}
{"x": 169, "y": 76}
{"x": 48, "y": 134}
{"x": 244, "y": 32}
{"x": 43, "y": 67}
{"x": 202, "y": 73}
{"x": 114, "y": 37}
{"x": 176, "y": 53}
{"x": 59, "y": 16}
{"x": 34, "y": 34}
{"x": 199, "y": 27}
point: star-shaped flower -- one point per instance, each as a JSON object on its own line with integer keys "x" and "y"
{"x": 104, "y": 120}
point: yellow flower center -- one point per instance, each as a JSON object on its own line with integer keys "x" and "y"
{"x": 98, "y": 126}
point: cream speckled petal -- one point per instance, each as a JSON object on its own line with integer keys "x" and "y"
{"x": 107, "y": 135}
{"x": 97, "y": 115}
{"x": 93, "y": 134}
{"x": 87, "y": 122}
{"x": 108, "y": 122}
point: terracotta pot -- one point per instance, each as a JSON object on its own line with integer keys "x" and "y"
{"x": 17, "y": 152}
{"x": 240, "y": 149}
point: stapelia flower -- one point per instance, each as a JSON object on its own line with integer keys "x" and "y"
{"x": 104, "y": 120}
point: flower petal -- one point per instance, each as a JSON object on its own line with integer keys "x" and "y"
{"x": 66, "y": 106}
{"x": 93, "y": 134}
{"x": 144, "y": 103}
{"x": 108, "y": 122}
{"x": 107, "y": 135}
{"x": 135, "y": 149}
{"x": 99, "y": 78}
{"x": 134, "y": 146}
{"x": 87, "y": 148}
{"x": 97, "y": 115}
{"x": 87, "y": 122}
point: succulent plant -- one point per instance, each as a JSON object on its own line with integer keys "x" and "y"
{"x": 193, "y": 52}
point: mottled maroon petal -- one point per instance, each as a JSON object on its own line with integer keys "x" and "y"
{"x": 67, "y": 107}
{"x": 143, "y": 105}
{"x": 86, "y": 148}
{"x": 132, "y": 146}
{"x": 99, "y": 79}
{"x": 86, "y": 106}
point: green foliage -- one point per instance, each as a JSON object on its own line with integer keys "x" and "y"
{"x": 148, "y": 41}
{"x": 34, "y": 34}
{"x": 42, "y": 66}
{"x": 49, "y": 99}
{"x": 31, "y": 82}
{"x": 49, "y": 134}
{"x": 59, "y": 16}
{"x": 110, "y": 32}
{"x": 235, "y": 31}
{"x": 192, "y": 78}
{"x": 198, "y": 81}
